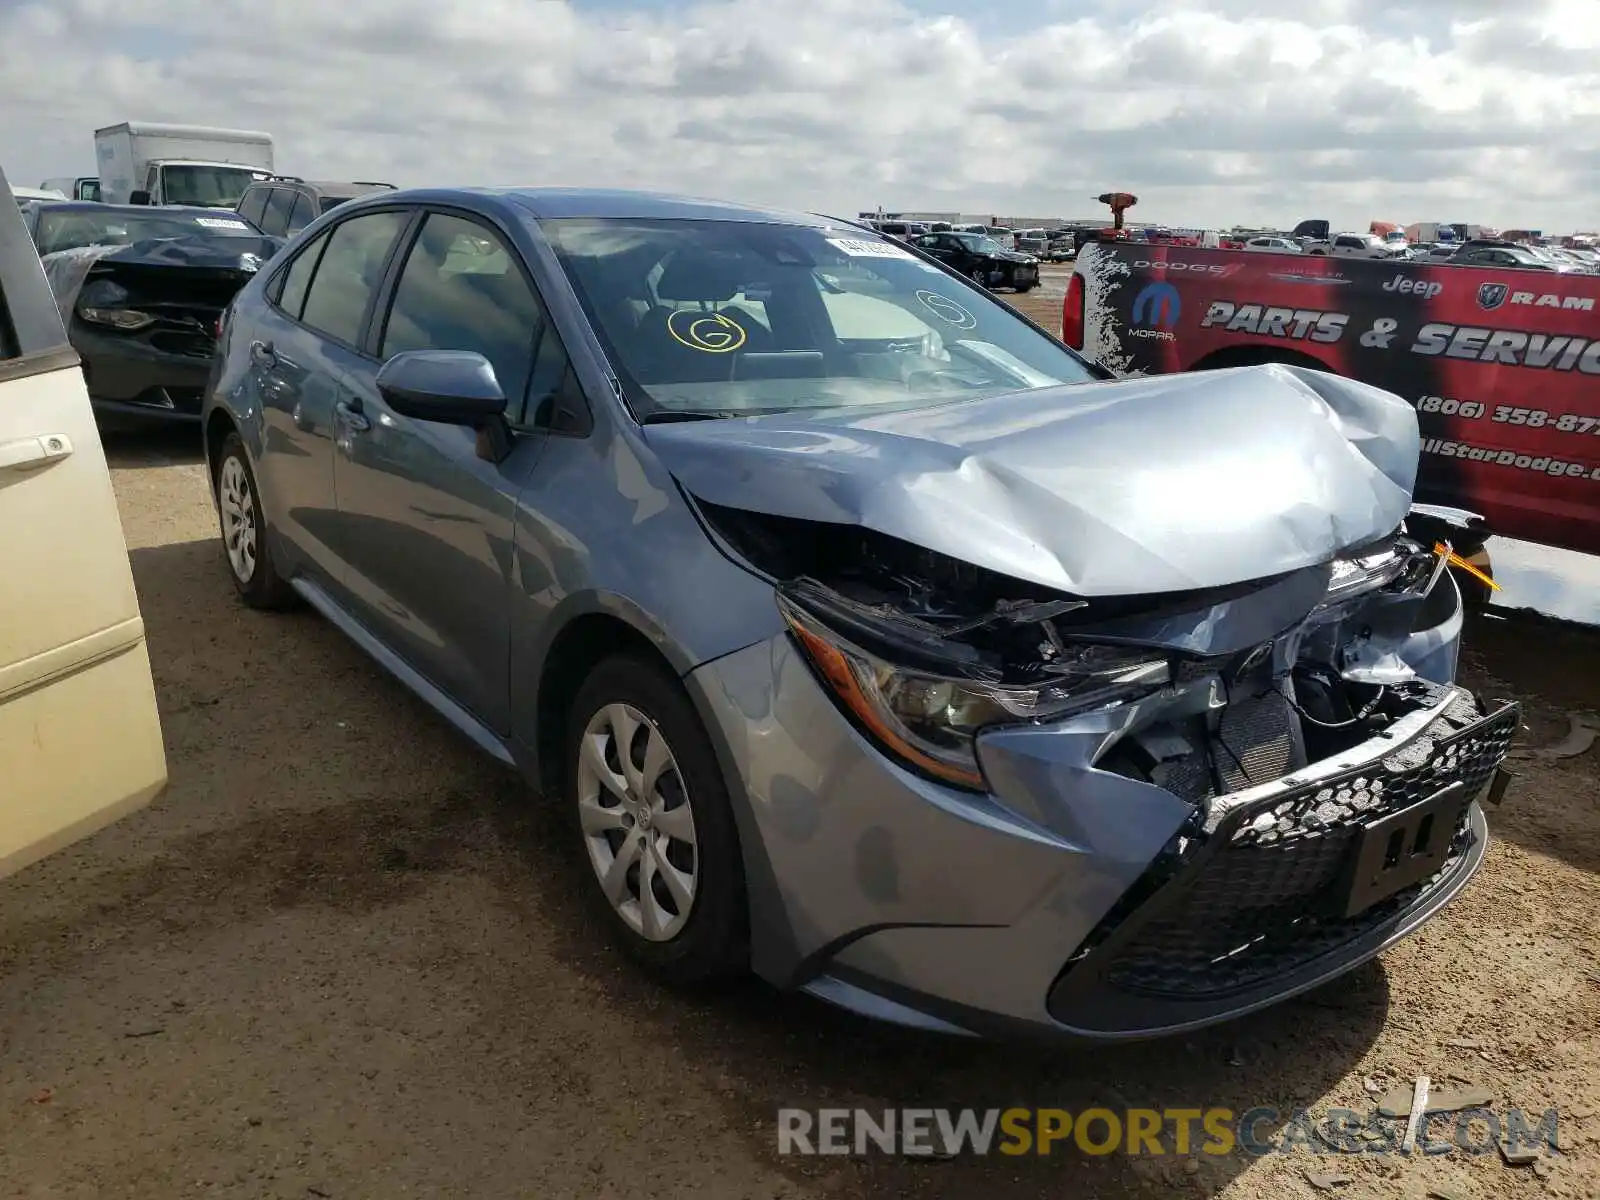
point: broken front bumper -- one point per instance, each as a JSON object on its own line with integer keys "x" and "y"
{"x": 1071, "y": 900}
{"x": 156, "y": 377}
{"x": 1296, "y": 881}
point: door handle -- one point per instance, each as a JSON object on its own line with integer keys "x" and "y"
{"x": 29, "y": 454}
{"x": 352, "y": 415}
{"x": 263, "y": 355}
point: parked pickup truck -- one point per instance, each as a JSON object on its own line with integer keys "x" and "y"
{"x": 1502, "y": 365}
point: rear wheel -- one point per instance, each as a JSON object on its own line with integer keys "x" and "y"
{"x": 652, "y": 813}
{"x": 245, "y": 544}
{"x": 980, "y": 277}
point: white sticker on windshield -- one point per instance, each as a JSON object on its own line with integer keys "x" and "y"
{"x": 219, "y": 223}
{"x": 867, "y": 248}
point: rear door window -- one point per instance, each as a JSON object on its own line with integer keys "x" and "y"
{"x": 350, "y": 273}
{"x": 303, "y": 213}
{"x": 292, "y": 285}
{"x": 254, "y": 205}
{"x": 276, "y": 219}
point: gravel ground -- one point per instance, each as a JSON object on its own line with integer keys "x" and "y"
{"x": 342, "y": 957}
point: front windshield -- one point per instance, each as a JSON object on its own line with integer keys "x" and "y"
{"x": 59, "y": 230}
{"x": 206, "y": 186}
{"x": 724, "y": 318}
{"x": 978, "y": 244}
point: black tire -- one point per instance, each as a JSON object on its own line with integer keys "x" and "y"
{"x": 714, "y": 942}
{"x": 264, "y": 588}
{"x": 1022, "y": 289}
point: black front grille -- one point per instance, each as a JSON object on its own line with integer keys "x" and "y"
{"x": 186, "y": 342}
{"x": 1260, "y": 895}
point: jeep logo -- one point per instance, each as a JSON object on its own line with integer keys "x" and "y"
{"x": 1406, "y": 285}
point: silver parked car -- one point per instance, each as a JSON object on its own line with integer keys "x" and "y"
{"x": 871, "y": 639}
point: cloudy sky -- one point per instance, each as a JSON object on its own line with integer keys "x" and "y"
{"x": 1478, "y": 110}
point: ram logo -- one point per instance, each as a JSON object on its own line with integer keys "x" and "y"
{"x": 1157, "y": 306}
{"x": 1492, "y": 295}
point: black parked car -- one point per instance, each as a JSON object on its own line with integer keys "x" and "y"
{"x": 982, "y": 259}
{"x": 140, "y": 291}
{"x": 1492, "y": 252}
{"x": 285, "y": 204}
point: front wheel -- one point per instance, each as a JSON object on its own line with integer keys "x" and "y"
{"x": 980, "y": 277}
{"x": 652, "y": 813}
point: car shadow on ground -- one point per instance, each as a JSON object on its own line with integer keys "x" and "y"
{"x": 303, "y": 777}
{"x": 1553, "y": 804}
{"x": 133, "y": 448}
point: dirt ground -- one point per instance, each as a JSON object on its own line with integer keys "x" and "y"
{"x": 343, "y": 957}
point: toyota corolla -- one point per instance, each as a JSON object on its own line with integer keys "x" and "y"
{"x": 872, "y": 639}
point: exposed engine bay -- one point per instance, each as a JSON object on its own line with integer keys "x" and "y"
{"x": 1321, "y": 672}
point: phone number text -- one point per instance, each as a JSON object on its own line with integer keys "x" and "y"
{"x": 1505, "y": 414}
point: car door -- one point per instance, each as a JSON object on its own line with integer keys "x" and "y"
{"x": 428, "y": 524}
{"x": 80, "y": 737}
{"x": 953, "y": 252}
{"x": 302, "y": 357}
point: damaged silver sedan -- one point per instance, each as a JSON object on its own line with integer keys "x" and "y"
{"x": 873, "y": 640}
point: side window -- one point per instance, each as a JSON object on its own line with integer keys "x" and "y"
{"x": 350, "y": 273}
{"x": 276, "y": 218}
{"x": 253, "y": 205}
{"x": 462, "y": 289}
{"x": 288, "y": 291}
{"x": 303, "y": 213}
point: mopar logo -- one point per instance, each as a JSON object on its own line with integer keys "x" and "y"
{"x": 1491, "y": 295}
{"x": 1157, "y": 305}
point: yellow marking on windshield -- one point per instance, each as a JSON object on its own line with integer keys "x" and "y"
{"x": 710, "y": 333}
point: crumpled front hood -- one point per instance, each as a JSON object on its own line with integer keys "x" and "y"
{"x": 1157, "y": 484}
{"x": 245, "y": 254}
{"x": 202, "y": 258}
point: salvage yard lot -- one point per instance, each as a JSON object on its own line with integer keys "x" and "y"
{"x": 343, "y": 956}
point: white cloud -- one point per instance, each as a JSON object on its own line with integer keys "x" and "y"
{"x": 1481, "y": 110}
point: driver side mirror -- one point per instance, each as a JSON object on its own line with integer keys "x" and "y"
{"x": 451, "y": 387}
{"x": 139, "y": 197}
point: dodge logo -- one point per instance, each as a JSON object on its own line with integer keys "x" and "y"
{"x": 1491, "y": 295}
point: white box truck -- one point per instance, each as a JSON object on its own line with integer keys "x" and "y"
{"x": 145, "y": 163}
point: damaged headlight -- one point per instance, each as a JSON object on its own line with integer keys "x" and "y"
{"x": 1402, "y": 566}
{"x": 1368, "y": 572}
{"x": 930, "y": 720}
{"x": 105, "y": 303}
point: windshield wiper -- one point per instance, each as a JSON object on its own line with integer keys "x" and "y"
{"x": 668, "y": 415}
{"x": 665, "y": 415}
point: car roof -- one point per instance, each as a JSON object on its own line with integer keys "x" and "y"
{"x": 209, "y": 162}
{"x": 610, "y": 204}
{"x": 604, "y": 203}
{"x": 134, "y": 210}
{"x": 329, "y": 187}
